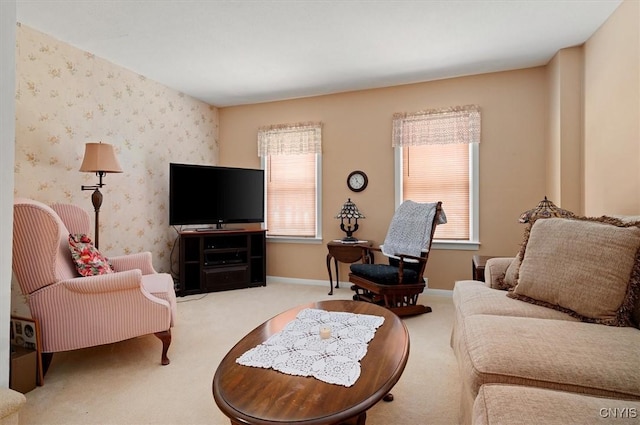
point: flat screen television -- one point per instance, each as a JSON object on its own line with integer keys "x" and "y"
{"x": 208, "y": 195}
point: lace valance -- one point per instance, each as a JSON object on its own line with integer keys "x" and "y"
{"x": 460, "y": 124}
{"x": 290, "y": 139}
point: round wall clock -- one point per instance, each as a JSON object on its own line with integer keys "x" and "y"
{"x": 357, "y": 181}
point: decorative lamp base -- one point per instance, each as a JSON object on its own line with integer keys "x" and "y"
{"x": 349, "y": 239}
{"x": 349, "y": 230}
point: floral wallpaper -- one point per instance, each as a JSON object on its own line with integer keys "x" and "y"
{"x": 66, "y": 97}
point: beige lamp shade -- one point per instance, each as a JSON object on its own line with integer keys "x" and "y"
{"x": 100, "y": 157}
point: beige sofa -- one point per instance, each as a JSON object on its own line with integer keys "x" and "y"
{"x": 563, "y": 344}
{"x": 11, "y": 402}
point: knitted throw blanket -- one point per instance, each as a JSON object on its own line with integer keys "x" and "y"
{"x": 410, "y": 229}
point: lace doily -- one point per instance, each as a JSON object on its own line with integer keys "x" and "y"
{"x": 299, "y": 350}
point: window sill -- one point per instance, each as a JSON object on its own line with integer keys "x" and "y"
{"x": 459, "y": 245}
{"x": 290, "y": 239}
{"x": 437, "y": 244}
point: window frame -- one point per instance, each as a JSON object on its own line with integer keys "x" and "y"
{"x": 473, "y": 243}
{"x": 317, "y": 239}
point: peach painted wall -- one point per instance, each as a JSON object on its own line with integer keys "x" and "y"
{"x": 570, "y": 129}
{"x": 357, "y": 135}
{"x": 612, "y": 115}
{"x": 66, "y": 97}
{"x": 565, "y": 135}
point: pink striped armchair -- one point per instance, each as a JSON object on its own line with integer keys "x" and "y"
{"x": 77, "y": 312}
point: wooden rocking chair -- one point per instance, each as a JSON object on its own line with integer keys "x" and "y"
{"x": 398, "y": 284}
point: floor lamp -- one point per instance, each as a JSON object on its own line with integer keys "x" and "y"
{"x": 99, "y": 158}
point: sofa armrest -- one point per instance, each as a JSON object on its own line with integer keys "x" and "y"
{"x": 495, "y": 269}
{"x": 11, "y": 402}
{"x": 141, "y": 260}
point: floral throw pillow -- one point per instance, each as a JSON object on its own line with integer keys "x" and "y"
{"x": 87, "y": 258}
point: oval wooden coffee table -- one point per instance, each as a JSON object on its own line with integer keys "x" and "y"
{"x": 257, "y": 396}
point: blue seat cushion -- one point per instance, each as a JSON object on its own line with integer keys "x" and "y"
{"x": 383, "y": 274}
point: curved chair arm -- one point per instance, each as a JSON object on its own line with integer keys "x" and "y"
{"x": 371, "y": 248}
{"x": 422, "y": 261}
{"x": 120, "y": 281}
{"x": 368, "y": 253}
{"x": 402, "y": 257}
{"x": 141, "y": 260}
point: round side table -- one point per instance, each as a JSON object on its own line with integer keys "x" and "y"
{"x": 345, "y": 253}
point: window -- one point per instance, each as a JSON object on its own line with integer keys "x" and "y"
{"x": 437, "y": 160}
{"x": 291, "y": 158}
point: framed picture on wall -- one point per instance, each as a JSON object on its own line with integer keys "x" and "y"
{"x": 25, "y": 332}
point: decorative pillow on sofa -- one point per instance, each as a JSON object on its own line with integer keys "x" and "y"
{"x": 510, "y": 277}
{"x": 587, "y": 267}
{"x": 88, "y": 260}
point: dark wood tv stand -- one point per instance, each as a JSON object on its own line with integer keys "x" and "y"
{"x": 219, "y": 260}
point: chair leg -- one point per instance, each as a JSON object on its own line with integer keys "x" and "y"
{"x": 165, "y": 337}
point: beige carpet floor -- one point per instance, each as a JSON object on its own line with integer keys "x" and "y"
{"x": 124, "y": 383}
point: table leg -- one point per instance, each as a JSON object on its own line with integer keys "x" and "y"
{"x": 335, "y": 261}
{"x": 330, "y": 277}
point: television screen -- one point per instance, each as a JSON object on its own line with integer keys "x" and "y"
{"x": 211, "y": 195}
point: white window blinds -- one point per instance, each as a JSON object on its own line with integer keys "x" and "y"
{"x": 436, "y": 163}
{"x": 290, "y": 155}
{"x": 440, "y": 173}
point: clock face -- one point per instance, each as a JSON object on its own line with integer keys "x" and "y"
{"x": 357, "y": 181}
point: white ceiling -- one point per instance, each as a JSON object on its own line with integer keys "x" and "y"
{"x": 237, "y": 52}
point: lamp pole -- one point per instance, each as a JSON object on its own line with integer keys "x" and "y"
{"x": 96, "y": 200}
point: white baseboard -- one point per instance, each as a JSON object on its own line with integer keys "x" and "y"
{"x": 297, "y": 281}
{"x": 447, "y": 293}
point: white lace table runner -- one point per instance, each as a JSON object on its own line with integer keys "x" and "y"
{"x": 299, "y": 350}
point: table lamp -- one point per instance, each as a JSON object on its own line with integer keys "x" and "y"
{"x": 544, "y": 209}
{"x": 348, "y": 213}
